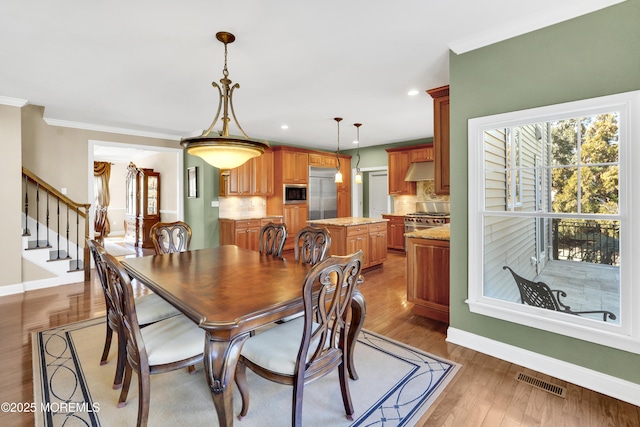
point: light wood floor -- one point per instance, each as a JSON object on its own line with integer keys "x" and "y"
{"x": 484, "y": 392}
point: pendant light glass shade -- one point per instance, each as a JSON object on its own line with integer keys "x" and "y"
{"x": 358, "y": 177}
{"x": 218, "y": 148}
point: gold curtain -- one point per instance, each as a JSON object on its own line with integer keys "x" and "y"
{"x": 101, "y": 175}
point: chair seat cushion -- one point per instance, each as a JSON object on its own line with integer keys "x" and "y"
{"x": 151, "y": 308}
{"x": 173, "y": 339}
{"x": 276, "y": 348}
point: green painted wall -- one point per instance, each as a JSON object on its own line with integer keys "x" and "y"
{"x": 590, "y": 56}
{"x": 198, "y": 212}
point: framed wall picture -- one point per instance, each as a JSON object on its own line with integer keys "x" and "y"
{"x": 192, "y": 179}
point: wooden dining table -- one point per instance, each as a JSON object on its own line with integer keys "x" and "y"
{"x": 230, "y": 291}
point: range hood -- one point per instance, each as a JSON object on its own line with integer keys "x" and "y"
{"x": 420, "y": 171}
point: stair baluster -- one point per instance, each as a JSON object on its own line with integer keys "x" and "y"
{"x": 26, "y": 231}
{"x": 37, "y": 215}
{"x": 78, "y": 234}
{"x": 48, "y": 196}
{"x": 58, "y": 231}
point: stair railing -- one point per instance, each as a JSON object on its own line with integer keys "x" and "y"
{"x": 76, "y": 210}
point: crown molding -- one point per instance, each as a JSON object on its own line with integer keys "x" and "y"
{"x": 13, "y": 102}
{"x": 110, "y": 129}
{"x": 529, "y": 24}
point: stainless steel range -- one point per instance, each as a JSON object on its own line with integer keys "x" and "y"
{"x": 427, "y": 215}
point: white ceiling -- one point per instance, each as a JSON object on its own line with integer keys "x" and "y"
{"x": 146, "y": 67}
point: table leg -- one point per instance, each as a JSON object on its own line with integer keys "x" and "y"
{"x": 220, "y": 359}
{"x": 358, "y": 313}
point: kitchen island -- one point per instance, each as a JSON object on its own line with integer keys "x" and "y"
{"x": 350, "y": 234}
{"x": 245, "y": 232}
{"x": 428, "y": 272}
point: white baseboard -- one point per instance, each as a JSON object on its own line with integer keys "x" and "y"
{"x": 587, "y": 378}
{"x": 74, "y": 277}
{"x": 11, "y": 289}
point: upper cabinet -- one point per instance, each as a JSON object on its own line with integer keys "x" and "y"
{"x": 399, "y": 162}
{"x": 322, "y": 160}
{"x": 295, "y": 167}
{"x": 343, "y": 189}
{"x": 440, "y": 97}
{"x": 421, "y": 154}
{"x": 253, "y": 178}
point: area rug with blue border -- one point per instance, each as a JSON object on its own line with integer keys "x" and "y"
{"x": 397, "y": 384}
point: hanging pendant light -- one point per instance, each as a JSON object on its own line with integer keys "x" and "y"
{"x": 218, "y": 148}
{"x": 338, "y": 173}
{"x": 358, "y": 173}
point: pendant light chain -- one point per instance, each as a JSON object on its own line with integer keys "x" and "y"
{"x": 225, "y": 72}
{"x": 338, "y": 120}
{"x": 338, "y": 178}
{"x": 358, "y": 178}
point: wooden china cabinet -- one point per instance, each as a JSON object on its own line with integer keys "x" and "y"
{"x": 142, "y": 208}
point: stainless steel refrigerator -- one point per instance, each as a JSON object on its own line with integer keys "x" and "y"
{"x": 323, "y": 201}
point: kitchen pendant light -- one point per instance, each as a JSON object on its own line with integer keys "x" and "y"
{"x": 218, "y": 148}
{"x": 358, "y": 173}
{"x": 338, "y": 173}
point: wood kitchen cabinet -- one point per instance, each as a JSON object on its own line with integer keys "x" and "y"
{"x": 377, "y": 243}
{"x": 295, "y": 167}
{"x": 244, "y": 233}
{"x": 322, "y": 160}
{"x": 263, "y": 179}
{"x": 428, "y": 277}
{"x": 399, "y": 162}
{"x": 346, "y": 239}
{"x": 395, "y": 232}
{"x": 424, "y": 154}
{"x": 442, "y": 156}
{"x": 343, "y": 189}
{"x": 295, "y": 217}
{"x": 253, "y": 178}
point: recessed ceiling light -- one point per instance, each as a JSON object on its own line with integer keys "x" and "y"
{"x": 284, "y": 127}
{"x": 413, "y": 92}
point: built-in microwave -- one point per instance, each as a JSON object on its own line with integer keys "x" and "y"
{"x": 295, "y": 193}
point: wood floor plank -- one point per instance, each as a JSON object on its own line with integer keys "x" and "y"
{"x": 484, "y": 393}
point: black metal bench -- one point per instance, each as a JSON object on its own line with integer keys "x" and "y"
{"x": 539, "y": 294}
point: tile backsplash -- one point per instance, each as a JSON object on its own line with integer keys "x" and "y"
{"x": 243, "y": 207}
{"x": 256, "y": 207}
{"x": 407, "y": 204}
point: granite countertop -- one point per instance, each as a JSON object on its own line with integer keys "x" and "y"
{"x": 253, "y": 217}
{"x": 435, "y": 233}
{"x": 347, "y": 221}
{"x": 395, "y": 214}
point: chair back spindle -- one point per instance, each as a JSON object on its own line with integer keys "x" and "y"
{"x": 170, "y": 237}
{"x": 272, "y": 238}
{"x": 312, "y": 245}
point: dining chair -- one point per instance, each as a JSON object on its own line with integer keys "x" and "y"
{"x": 164, "y": 346}
{"x": 272, "y": 238}
{"x": 170, "y": 237}
{"x": 99, "y": 224}
{"x": 309, "y": 347}
{"x": 150, "y": 309}
{"x": 311, "y": 244}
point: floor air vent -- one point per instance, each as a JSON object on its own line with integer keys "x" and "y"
{"x": 542, "y": 385}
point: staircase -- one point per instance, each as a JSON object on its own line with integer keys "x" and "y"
{"x": 53, "y": 227}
